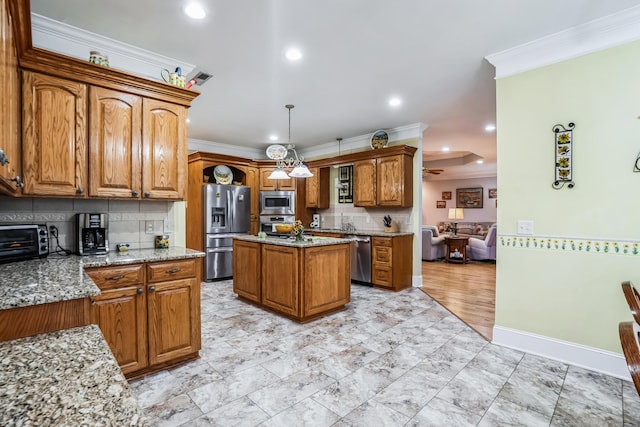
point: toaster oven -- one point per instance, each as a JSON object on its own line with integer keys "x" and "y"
{"x": 23, "y": 241}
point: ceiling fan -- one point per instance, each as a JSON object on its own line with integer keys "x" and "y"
{"x": 426, "y": 171}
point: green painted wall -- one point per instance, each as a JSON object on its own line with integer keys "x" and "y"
{"x": 569, "y": 295}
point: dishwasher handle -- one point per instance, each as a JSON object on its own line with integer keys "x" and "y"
{"x": 354, "y": 238}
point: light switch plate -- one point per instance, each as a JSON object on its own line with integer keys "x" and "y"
{"x": 525, "y": 227}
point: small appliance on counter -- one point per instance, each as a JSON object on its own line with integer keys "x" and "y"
{"x": 91, "y": 234}
{"x": 23, "y": 241}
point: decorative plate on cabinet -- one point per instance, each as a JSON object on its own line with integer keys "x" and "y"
{"x": 379, "y": 139}
{"x": 223, "y": 174}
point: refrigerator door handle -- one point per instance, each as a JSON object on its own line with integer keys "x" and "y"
{"x": 231, "y": 207}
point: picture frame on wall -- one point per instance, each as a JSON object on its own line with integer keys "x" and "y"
{"x": 441, "y": 204}
{"x": 446, "y": 195}
{"x": 493, "y": 193}
{"x": 469, "y": 198}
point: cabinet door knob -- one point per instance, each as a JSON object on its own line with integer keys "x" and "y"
{"x": 18, "y": 181}
{"x": 152, "y": 289}
{"x": 147, "y": 194}
{"x": 134, "y": 193}
{"x": 93, "y": 302}
{"x": 79, "y": 191}
{"x": 140, "y": 291}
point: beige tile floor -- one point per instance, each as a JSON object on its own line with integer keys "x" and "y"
{"x": 390, "y": 359}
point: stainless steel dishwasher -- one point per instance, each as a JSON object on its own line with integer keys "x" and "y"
{"x": 360, "y": 258}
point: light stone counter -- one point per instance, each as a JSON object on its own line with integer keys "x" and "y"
{"x": 312, "y": 242}
{"x": 66, "y": 378}
{"x": 376, "y": 233}
{"x": 55, "y": 278}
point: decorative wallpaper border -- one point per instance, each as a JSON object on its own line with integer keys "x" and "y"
{"x": 603, "y": 246}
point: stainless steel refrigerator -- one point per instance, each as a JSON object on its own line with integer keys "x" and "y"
{"x": 227, "y": 212}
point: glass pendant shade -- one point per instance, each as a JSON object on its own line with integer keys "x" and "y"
{"x": 300, "y": 171}
{"x": 278, "y": 173}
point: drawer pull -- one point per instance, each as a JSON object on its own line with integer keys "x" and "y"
{"x": 114, "y": 277}
{"x": 152, "y": 289}
{"x": 173, "y": 270}
{"x": 139, "y": 291}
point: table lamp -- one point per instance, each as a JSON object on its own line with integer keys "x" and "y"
{"x": 455, "y": 214}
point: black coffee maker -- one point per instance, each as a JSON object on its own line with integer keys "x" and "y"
{"x": 92, "y": 234}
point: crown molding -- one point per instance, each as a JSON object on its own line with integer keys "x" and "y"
{"x": 358, "y": 143}
{"x": 72, "y": 41}
{"x": 602, "y": 33}
{"x": 228, "y": 149}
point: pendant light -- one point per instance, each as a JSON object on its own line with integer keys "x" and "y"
{"x": 278, "y": 153}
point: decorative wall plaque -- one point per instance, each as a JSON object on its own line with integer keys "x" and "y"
{"x": 564, "y": 154}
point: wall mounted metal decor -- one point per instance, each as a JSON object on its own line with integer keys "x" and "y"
{"x": 636, "y": 165}
{"x": 564, "y": 155}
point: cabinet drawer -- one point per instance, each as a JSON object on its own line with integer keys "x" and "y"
{"x": 382, "y": 241}
{"x": 382, "y": 276}
{"x": 171, "y": 270}
{"x": 117, "y": 276}
{"x": 382, "y": 255}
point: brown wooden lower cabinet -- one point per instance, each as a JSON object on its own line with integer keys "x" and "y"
{"x": 153, "y": 323}
{"x": 391, "y": 262}
{"x": 246, "y": 270}
{"x": 43, "y": 318}
{"x": 302, "y": 283}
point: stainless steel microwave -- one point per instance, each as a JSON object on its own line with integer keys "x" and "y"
{"x": 277, "y": 203}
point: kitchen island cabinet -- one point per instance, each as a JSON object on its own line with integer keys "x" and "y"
{"x": 300, "y": 280}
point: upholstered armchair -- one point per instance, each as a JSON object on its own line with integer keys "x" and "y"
{"x": 479, "y": 249}
{"x": 432, "y": 243}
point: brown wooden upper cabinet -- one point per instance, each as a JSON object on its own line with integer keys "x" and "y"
{"x": 136, "y": 146}
{"x": 364, "y": 183}
{"x": 11, "y": 170}
{"x": 164, "y": 150}
{"x": 267, "y": 184}
{"x": 383, "y": 181}
{"x": 115, "y": 134}
{"x": 317, "y": 188}
{"x": 54, "y": 136}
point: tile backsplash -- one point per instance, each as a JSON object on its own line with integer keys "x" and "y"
{"x": 127, "y": 218}
{"x": 364, "y": 219}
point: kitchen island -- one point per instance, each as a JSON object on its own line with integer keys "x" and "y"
{"x": 300, "y": 280}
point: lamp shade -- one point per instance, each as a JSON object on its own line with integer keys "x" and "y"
{"x": 278, "y": 173}
{"x": 300, "y": 171}
{"x": 456, "y": 213}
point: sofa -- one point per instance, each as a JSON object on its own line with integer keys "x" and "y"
{"x": 483, "y": 249}
{"x": 432, "y": 243}
{"x": 467, "y": 229}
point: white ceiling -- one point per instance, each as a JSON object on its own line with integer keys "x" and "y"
{"x": 356, "y": 55}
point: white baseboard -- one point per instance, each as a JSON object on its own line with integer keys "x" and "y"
{"x": 416, "y": 281}
{"x": 591, "y": 358}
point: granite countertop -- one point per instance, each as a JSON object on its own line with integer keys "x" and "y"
{"x": 376, "y": 233}
{"x": 133, "y": 256}
{"x": 67, "y": 377}
{"x": 314, "y": 242}
{"x": 55, "y": 278}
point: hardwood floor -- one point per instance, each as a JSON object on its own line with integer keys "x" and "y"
{"x": 466, "y": 290}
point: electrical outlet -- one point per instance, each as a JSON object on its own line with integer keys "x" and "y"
{"x": 525, "y": 227}
{"x": 148, "y": 227}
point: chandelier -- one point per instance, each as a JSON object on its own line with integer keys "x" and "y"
{"x": 279, "y": 153}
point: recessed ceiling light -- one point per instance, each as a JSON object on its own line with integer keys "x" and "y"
{"x": 273, "y": 137}
{"x": 394, "y": 102}
{"x": 194, "y": 10}
{"x": 293, "y": 54}
{"x": 490, "y": 127}
{"x": 479, "y": 161}
{"x": 445, "y": 149}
